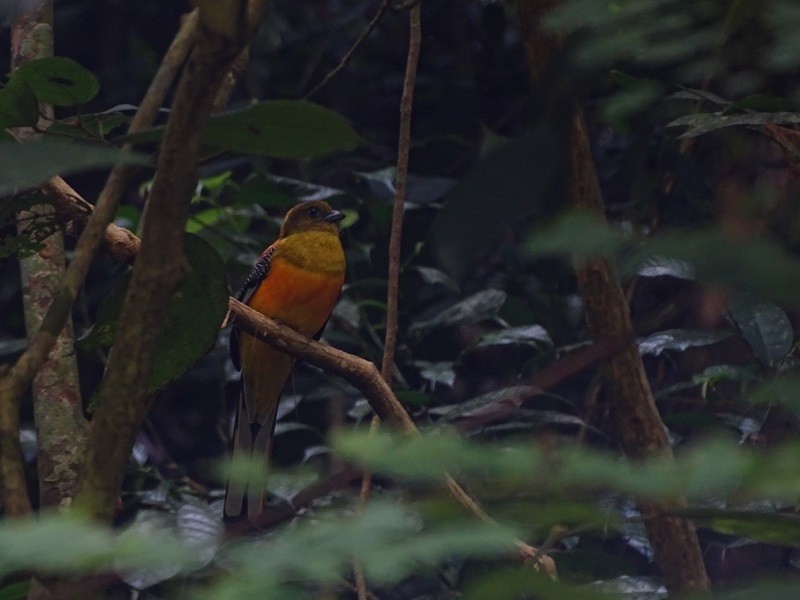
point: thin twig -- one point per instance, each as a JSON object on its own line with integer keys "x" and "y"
{"x": 401, "y": 178}
{"x": 353, "y": 49}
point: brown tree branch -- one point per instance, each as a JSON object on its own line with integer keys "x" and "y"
{"x": 57, "y": 408}
{"x": 363, "y": 375}
{"x": 160, "y": 265}
{"x": 360, "y": 373}
{"x": 639, "y": 425}
{"x": 362, "y": 37}
{"x": 395, "y": 237}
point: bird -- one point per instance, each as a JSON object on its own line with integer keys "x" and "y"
{"x": 296, "y": 281}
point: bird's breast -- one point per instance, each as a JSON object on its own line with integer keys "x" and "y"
{"x": 297, "y": 297}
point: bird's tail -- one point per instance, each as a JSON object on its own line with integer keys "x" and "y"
{"x": 250, "y": 440}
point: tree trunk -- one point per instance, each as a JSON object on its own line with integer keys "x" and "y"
{"x": 57, "y": 407}
{"x": 640, "y": 427}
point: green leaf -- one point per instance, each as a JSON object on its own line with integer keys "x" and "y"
{"x": 679, "y": 339}
{"x": 192, "y": 319}
{"x": 62, "y": 543}
{"x": 529, "y": 335}
{"x": 784, "y": 390}
{"x": 277, "y": 128}
{"x": 19, "y": 106}
{"x": 527, "y": 583}
{"x": 478, "y": 307}
{"x": 485, "y": 402}
{"x": 15, "y": 591}
{"x": 577, "y": 235}
{"x": 759, "y": 266}
{"x": 775, "y": 528}
{"x": 513, "y": 184}
{"x": 59, "y": 81}
{"x": 766, "y": 328}
{"x": 30, "y": 164}
{"x": 91, "y": 127}
{"x": 660, "y": 266}
{"x": 701, "y": 123}
{"x": 436, "y": 372}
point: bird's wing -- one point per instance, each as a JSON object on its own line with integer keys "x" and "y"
{"x": 257, "y": 274}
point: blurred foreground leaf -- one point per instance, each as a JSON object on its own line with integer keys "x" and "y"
{"x": 518, "y": 181}
{"x": 277, "y": 128}
{"x": 55, "y": 543}
{"x": 772, "y": 527}
{"x": 27, "y": 165}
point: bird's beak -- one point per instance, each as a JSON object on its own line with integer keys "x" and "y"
{"x": 334, "y": 217}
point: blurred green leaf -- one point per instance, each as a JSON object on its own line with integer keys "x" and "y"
{"x": 277, "y": 128}
{"x": 775, "y": 528}
{"x": 15, "y": 591}
{"x": 192, "y": 320}
{"x": 765, "y": 326}
{"x": 783, "y": 390}
{"x": 579, "y": 235}
{"x": 390, "y": 543}
{"x": 759, "y": 266}
{"x": 523, "y": 583}
{"x": 27, "y": 165}
{"x": 512, "y": 184}
{"x": 58, "y": 80}
{"x": 61, "y": 543}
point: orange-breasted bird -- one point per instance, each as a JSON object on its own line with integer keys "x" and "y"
{"x": 296, "y": 281}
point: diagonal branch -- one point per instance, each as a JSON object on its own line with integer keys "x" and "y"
{"x": 18, "y": 378}
{"x": 160, "y": 265}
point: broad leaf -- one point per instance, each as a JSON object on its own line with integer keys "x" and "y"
{"x": 30, "y": 164}
{"x": 577, "y": 235}
{"x": 784, "y": 390}
{"x": 19, "y": 106}
{"x": 775, "y": 528}
{"x": 59, "y": 81}
{"x": 702, "y": 123}
{"x": 758, "y": 266}
{"x": 659, "y": 266}
{"x": 192, "y": 320}
{"x": 486, "y": 403}
{"x": 277, "y": 128}
{"x": 679, "y": 339}
{"x": 513, "y": 183}
{"x": 62, "y": 543}
{"x": 476, "y": 308}
{"x": 766, "y": 328}
{"x": 530, "y": 335}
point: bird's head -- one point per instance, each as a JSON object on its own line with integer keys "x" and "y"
{"x": 311, "y": 215}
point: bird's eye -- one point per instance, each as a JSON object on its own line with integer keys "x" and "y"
{"x": 313, "y": 212}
